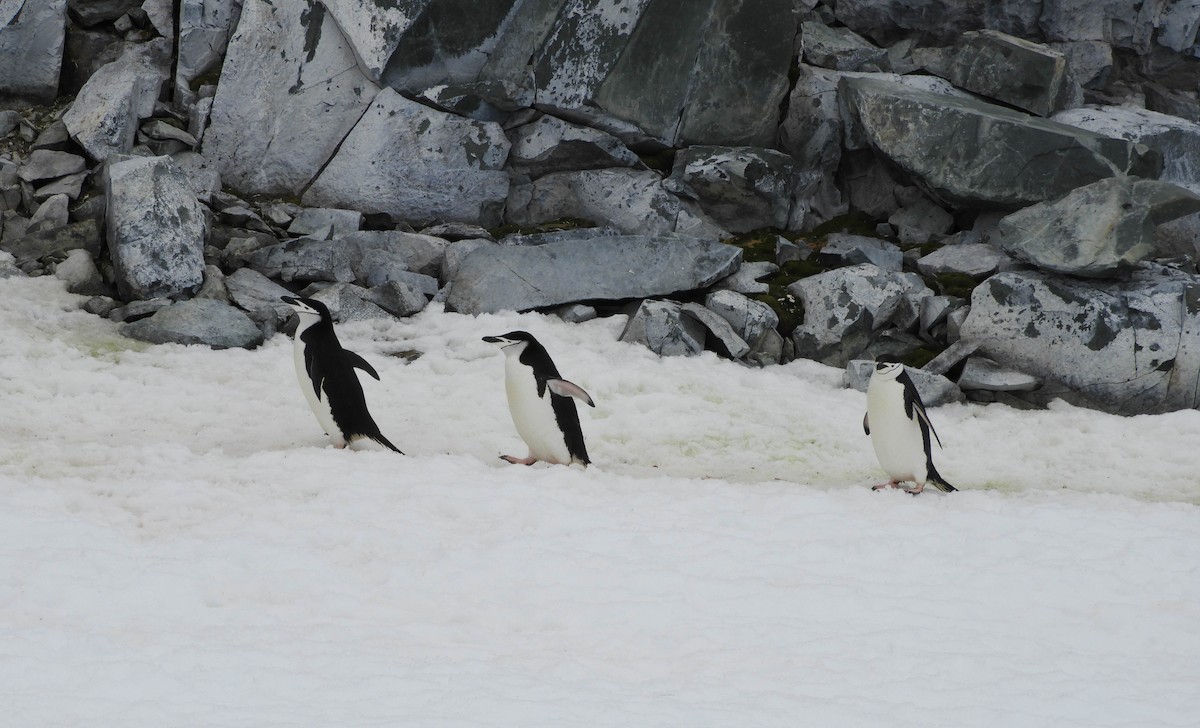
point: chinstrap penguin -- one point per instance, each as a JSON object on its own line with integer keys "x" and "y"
{"x": 327, "y": 378}
{"x": 541, "y": 402}
{"x": 900, "y": 430}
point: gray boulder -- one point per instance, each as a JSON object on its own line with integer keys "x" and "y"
{"x": 751, "y": 320}
{"x": 422, "y": 254}
{"x": 1013, "y": 159}
{"x": 1177, "y": 140}
{"x": 839, "y": 48}
{"x": 201, "y": 172}
{"x": 417, "y": 164}
{"x": 843, "y": 307}
{"x": 258, "y": 296}
{"x": 456, "y": 252}
{"x": 920, "y": 221}
{"x": 1097, "y": 230}
{"x": 1126, "y": 347}
{"x": 934, "y": 389}
{"x": 104, "y": 117}
{"x": 71, "y": 186}
{"x": 374, "y": 30}
{"x": 747, "y": 278}
{"x": 977, "y": 260}
{"x": 156, "y": 228}
{"x": 80, "y": 274}
{"x": 846, "y": 249}
{"x": 1020, "y": 73}
{"x": 721, "y": 336}
{"x": 290, "y": 91}
{"x": 348, "y": 302}
{"x": 399, "y": 298}
{"x": 305, "y": 260}
{"x": 32, "y": 36}
{"x": 198, "y": 321}
{"x": 662, "y": 327}
{"x": 550, "y": 144}
{"x": 739, "y": 188}
{"x": 631, "y": 201}
{"x": 611, "y": 268}
{"x": 48, "y": 164}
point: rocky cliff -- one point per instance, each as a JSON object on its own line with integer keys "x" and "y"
{"x": 1006, "y": 194}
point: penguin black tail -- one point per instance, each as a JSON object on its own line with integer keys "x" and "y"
{"x": 379, "y": 438}
{"x": 936, "y": 479}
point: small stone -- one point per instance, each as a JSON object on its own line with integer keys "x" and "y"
{"x": 746, "y": 279}
{"x": 136, "y": 310}
{"x": 159, "y": 129}
{"x": 977, "y": 260}
{"x": 100, "y": 306}
{"x": 919, "y": 222}
{"x": 80, "y": 274}
{"x": 399, "y": 298}
{"x": 314, "y": 219}
{"x": 70, "y": 186}
{"x": 575, "y": 313}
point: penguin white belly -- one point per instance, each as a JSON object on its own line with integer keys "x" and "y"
{"x": 533, "y": 415}
{"x": 318, "y": 405}
{"x": 895, "y": 437}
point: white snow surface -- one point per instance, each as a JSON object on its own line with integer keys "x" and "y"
{"x": 181, "y": 546}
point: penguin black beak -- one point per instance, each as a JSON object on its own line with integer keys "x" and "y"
{"x": 290, "y": 300}
{"x": 493, "y": 339}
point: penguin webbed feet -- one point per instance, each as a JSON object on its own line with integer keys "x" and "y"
{"x": 518, "y": 461}
{"x": 890, "y": 485}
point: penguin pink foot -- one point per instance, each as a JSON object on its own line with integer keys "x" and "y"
{"x": 519, "y": 461}
{"x": 881, "y": 486}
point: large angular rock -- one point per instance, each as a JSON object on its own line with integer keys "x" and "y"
{"x": 445, "y": 43}
{"x": 610, "y": 268}
{"x": 198, "y": 321}
{"x": 719, "y": 66}
{"x": 374, "y": 30}
{"x": 1030, "y": 76}
{"x": 629, "y": 200}
{"x": 662, "y": 327}
{"x": 721, "y": 336}
{"x": 417, "y": 164}
{"x": 156, "y": 229}
{"x": 550, "y": 144}
{"x": 1177, "y": 140}
{"x": 48, "y": 164}
{"x": 750, "y": 319}
{"x": 104, "y": 117}
{"x": 1098, "y": 230}
{"x": 290, "y": 91}
{"x": 839, "y": 48}
{"x": 739, "y": 188}
{"x": 970, "y": 152}
{"x": 258, "y": 296}
{"x": 1127, "y": 347}
{"x": 843, "y": 307}
{"x": 977, "y": 260}
{"x": 32, "y": 36}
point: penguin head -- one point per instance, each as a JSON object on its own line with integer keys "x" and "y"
{"x": 888, "y": 369}
{"x": 310, "y": 310}
{"x": 514, "y": 342}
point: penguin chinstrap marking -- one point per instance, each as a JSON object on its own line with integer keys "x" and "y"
{"x": 541, "y": 402}
{"x": 327, "y": 378}
{"x": 900, "y": 430}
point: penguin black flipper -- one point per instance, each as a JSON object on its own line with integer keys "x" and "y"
{"x": 915, "y": 409}
{"x": 316, "y": 372}
{"x": 357, "y": 362}
{"x": 568, "y": 421}
{"x": 866, "y": 423}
